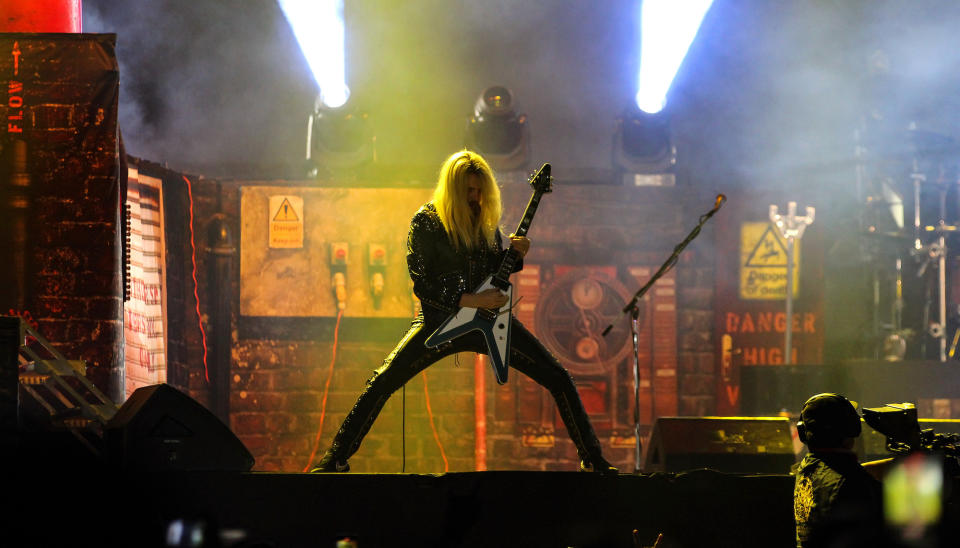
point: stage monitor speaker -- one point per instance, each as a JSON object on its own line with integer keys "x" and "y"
{"x": 744, "y": 445}
{"x": 161, "y": 428}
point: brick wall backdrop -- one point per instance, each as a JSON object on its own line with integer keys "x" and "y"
{"x": 279, "y": 369}
{"x": 60, "y": 168}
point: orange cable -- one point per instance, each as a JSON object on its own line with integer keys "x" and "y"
{"x": 193, "y": 258}
{"x": 326, "y": 390}
{"x": 436, "y": 437}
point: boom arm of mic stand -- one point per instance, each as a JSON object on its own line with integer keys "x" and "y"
{"x": 667, "y": 265}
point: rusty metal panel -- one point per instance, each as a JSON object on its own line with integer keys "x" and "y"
{"x": 296, "y": 282}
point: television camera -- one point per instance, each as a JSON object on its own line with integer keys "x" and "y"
{"x": 898, "y": 422}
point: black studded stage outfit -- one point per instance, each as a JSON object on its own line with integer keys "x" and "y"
{"x": 440, "y": 275}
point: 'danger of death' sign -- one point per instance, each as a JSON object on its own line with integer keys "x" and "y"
{"x": 286, "y": 221}
{"x": 763, "y": 262}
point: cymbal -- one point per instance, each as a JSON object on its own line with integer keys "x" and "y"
{"x": 891, "y": 143}
{"x": 888, "y": 236}
{"x": 942, "y": 229}
{"x": 887, "y": 242}
{"x": 929, "y": 140}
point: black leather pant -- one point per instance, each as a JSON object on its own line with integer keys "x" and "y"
{"x": 410, "y": 357}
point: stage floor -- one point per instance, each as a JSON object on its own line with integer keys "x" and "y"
{"x": 497, "y": 508}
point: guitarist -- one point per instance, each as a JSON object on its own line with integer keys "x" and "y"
{"x": 454, "y": 243}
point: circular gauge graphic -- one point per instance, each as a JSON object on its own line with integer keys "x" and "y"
{"x": 587, "y": 293}
{"x": 572, "y": 314}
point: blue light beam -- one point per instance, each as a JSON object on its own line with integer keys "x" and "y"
{"x": 318, "y": 28}
{"x": 667, "y": 28}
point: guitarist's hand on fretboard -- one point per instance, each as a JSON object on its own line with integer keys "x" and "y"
{"x": 520, "y": 244}
{"x": 491, "y": 299}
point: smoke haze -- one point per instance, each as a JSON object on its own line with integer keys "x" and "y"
{"x": 769, "y": 90}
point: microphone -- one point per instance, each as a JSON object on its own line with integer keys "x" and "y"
{"x": 716, "y": 207}
{"x": 720, "y": 199}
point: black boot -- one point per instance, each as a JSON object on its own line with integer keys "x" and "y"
{"x": 598, "y": 464}
{"x": 330, "y": 463}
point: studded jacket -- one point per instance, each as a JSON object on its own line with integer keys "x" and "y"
{"x": 441, "y": 273}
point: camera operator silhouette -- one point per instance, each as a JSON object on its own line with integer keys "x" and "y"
{"x": 836, "y": 501}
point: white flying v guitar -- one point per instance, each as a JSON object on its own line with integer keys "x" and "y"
{"x": 495, "y": 324}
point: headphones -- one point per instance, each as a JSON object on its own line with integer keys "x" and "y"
{"x": 826, "y": 419}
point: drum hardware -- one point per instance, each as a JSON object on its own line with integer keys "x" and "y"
{"x": 931, "y": 177}
{"x": 953, "y": 345}
{"x": 918, "y": 178}
{"x": 894, "y": 347}
{"x": 937, "y": 251}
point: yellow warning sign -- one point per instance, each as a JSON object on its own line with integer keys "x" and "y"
{"x": 286, "y": 221}
{"x": 763, "y": 262}
{"x": 286, "y": 212}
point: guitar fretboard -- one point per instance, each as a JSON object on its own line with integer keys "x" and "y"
{"x": 532, "y": 205}
{"x": 502, "y": 277}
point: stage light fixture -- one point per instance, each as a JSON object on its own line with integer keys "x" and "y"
{"x": 319, "y": 29}
{"x": 497, "y": 131}
{"x": 338, "y": 138}
{"x": 667, "y": 28}
{"x": 643, "y": 148}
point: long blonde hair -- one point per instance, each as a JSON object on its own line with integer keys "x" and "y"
{"x": 450, "y": 199}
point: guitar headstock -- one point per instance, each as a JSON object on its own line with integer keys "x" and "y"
{"x": 541, "y": 181}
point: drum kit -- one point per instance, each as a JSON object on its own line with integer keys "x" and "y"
{"x": 909, "y": 222}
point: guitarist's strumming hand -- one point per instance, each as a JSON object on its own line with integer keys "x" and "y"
{"x": 491, "y": 299}
{"x": 520, "y": 244}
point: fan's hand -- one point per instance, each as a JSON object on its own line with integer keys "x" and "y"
{"x": 491, "y": 299}
{"x": 520, "y": 244}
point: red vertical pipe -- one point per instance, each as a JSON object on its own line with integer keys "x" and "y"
{"x": 480, "y": 411}
{"x": 40, "y": 15}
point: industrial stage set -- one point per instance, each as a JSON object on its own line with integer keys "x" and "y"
{"x": 179, "y": 347}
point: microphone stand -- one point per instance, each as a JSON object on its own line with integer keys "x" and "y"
{"x": 633, "y": 310}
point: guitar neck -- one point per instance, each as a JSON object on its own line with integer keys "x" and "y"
{"x": 511, "y": 257}
{"x": 502, "y": 278}
{"x": 528, "y": 213}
